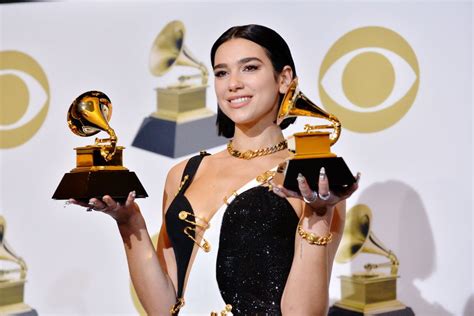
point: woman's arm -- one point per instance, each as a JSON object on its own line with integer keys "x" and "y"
{"x": 148, "y": 267}
{"x": 152, "y": 284}
{"x": 307, "y": 287}
{"x": 306, "y": 290}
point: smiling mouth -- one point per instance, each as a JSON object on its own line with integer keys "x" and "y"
{"x": 239, "y": 101}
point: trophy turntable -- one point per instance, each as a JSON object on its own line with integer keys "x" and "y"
{"x": 99, "y": 168}
{"x": 370, "y": 292}
{"x": 312, "y": 148}
{"x": 182, "y": 120}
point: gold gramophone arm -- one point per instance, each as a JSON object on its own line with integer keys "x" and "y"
{"x": 337, "y": 129}
{"x": 204, "y": 76}
{"x": 7, "y": 254}
{"x": 204, "y": 73}
{"x": 23, "y": 268}
{"x": 295, "y": 103}
{"x": 393, "y": 264}
{"x": 107, "y": 151}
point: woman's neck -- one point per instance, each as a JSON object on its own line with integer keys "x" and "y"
{"x": 256, "y": 137}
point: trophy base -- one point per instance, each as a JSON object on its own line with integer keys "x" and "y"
{"x": 338, "y": 173}
{"x": 367, "y": 294}
{"x": 11, "y": 299}
{"x": 20, "y": 309}
{"x": 340, "y": 311}
{"x": 83, "y": 186}
{"x": 172, "y": 139}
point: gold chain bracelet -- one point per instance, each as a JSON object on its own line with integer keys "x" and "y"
{"x": 312, "y": 239}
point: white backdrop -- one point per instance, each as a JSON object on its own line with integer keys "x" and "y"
{"x": 416, "y": 174}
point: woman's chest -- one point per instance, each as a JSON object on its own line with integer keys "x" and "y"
{"x": 216, "y": 187}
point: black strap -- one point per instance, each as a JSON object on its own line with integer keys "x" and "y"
{"x": 191, "y": 169}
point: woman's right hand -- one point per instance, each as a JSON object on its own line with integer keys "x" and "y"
{"x": 123, "y": 213}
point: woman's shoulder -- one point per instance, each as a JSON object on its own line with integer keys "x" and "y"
{"x": 176, "y": 172}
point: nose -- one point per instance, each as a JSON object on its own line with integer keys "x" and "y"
{"x": 235, "y": 83}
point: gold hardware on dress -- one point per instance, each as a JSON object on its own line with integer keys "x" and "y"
{"x": 183, "y": 215}
{"x": 234, "y": 193}
{"x": 186, "y": 177}
{"x": 250, "y": 154}
{"x": 206, "y": 246}
{"x": 265, "y": 179}
{"x": 227, "y": 309}
{"x": 176, "y": 307}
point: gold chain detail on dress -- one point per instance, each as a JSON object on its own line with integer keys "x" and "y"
{"x": 250, "y": 154}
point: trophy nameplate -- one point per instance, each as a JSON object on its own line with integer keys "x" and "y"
{"x": 99, "y": 168}
{"x": 369, "y": 292}
{"x": 312, "y": 148}
{"x": 182, "y": 120}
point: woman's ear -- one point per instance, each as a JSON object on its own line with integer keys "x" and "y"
{"x": 284, "y": 78}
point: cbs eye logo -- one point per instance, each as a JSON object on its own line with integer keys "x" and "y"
{"x": 369, "y": 79}
{"x": 24, "y": 98}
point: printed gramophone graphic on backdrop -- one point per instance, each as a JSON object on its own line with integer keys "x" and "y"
{"x": 12, "y": 278}
{"x": 370, "y": 292}
{"x": 99, "y": 167}
{"x": 181, "y": 124}
{"x": 312, "y": 148}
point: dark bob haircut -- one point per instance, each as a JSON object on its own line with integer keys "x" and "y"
{"x": 277, "y": 51}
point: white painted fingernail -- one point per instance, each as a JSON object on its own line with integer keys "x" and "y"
{"x": 276, "y": 189}
{"x": 322, "y": 173}
{"x": 134, "y": 194}
{"x": 300, "y": 177}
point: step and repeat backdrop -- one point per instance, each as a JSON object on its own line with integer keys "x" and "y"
{"x": 397, "y": 75}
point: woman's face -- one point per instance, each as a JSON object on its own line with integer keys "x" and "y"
{"x": 246, "y": 85}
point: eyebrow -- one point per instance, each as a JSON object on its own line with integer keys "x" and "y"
{"x": 240, "y": 62}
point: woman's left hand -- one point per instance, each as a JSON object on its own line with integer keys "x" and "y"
{"x": 322, "y": 201}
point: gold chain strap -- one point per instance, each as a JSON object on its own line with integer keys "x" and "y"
{"x": 250, "y": 154}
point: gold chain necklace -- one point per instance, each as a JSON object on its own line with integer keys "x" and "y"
{"x": 250, "y": 154}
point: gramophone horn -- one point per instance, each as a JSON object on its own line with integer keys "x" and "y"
{"x": 168, "y": 50}
{"x": 295, "y": 103}
{"x": 358, "y": 238}
{"x": 88, "y": 115}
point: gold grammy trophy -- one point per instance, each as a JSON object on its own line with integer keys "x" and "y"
{"x": 370, "y": 292}
{"x": 12, "y": 279}
{"x": 99, "y": 168}
{"x": 312, "y": 147}
{"x": 182, "y": 120}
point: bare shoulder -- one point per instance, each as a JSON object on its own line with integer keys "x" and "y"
{"x": 173, "y": 180}
{"x": 174, "y": 177}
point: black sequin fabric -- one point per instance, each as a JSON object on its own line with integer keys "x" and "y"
{"x": 256, "y": 250}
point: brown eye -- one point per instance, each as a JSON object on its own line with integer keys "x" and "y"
{"x": 250, "y": 67}
{"x": 220, "y": 73}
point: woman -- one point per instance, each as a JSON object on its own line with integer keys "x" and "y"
{"x": 231, "y": 234}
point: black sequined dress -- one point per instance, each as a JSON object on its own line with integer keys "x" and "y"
{"x": 252, "y": 244}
